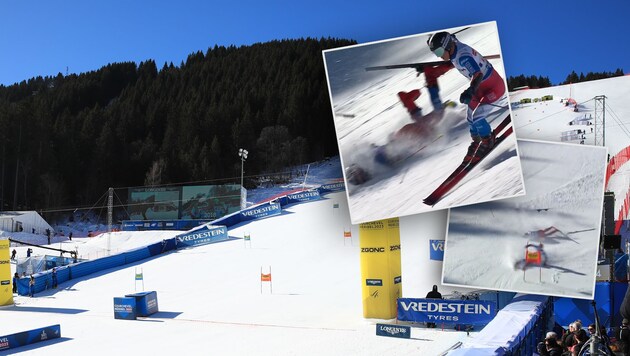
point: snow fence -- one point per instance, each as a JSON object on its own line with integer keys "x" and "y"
{"x": 515, "y": 330}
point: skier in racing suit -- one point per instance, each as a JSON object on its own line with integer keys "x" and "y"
{"x": 486, "y": 87}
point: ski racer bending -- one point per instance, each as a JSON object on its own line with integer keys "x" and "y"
{"x": 486, "y": 87}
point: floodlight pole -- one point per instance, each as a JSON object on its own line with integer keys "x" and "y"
{"x": 243, "y": 154}
{"x": 110, "y": 208}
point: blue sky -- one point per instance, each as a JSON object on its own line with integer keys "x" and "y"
{"x": 548, "y": 38}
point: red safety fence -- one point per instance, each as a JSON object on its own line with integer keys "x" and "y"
{"x": 618, "y": 160}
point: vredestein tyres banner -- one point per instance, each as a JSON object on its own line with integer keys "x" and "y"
{"x": 6, "y": 286}
{"x": 380, "y": 268}
{"x": 449, "y": 311}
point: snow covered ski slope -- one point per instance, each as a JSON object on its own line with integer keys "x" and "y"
{"x": 367, "y": 111}
{"x": 486, "y": 243}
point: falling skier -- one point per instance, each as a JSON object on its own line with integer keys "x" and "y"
{"x": 408, "y": 140}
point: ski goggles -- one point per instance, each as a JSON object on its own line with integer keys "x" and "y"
{"x": 439, "y": 51}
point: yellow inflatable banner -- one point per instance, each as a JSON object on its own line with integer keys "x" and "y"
{"x": 380, "y": 268}
{"x": 6, "y": 286}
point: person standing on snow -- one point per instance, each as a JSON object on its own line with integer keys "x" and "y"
{"x": 31, "y": 286}
{"x": 486, "y": 87}
{"x": 433, "y": 294}
{"x": 16, "y": 277}
{"x": 54, "y": 277}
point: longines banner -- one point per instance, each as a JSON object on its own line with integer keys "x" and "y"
{"x": 436, "y": 248}
{"x": 401, "y": 331}
{"x": 448, "y": 311}
{"x": 206, "y": 235}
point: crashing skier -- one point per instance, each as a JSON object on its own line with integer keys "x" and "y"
{"x": 407, "y": 141}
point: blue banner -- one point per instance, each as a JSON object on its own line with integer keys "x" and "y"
{"x": 449, "y": 311}
{"x": 29, "y": 337}
{"x": 261, "y": 211}
{"x": 146, "y": 303}
{"x": 141, "y": 225}
{"x": 436, "y": 248}
{"x": 401, "y": 331}
{"x": 206, "y": 235}
{"x": 333, "y": 187}
{"x": 309, "y": 195}
{"x": 125, "y": 308}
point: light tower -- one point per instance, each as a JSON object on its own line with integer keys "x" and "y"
{"x": 600, "y": 120}
{"x": 243, "y": 154}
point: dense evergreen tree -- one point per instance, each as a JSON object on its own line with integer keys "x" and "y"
{"x": 574, "y": 78}
{"x": 66, "y": 139}
{"x": 531, "y": 81}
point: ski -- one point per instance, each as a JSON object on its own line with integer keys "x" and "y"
{"x": 465, "y": 167}
{"x": 420, "y": 65}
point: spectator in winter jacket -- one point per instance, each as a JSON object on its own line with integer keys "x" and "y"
{"x": 433, "y": 294}
{"x": 16, "y": 277}
{"x": 581, "y": 338}
{"x": 54, "y": 277}
{"x": 623, "y": 337}
{"x": 551, "y": 347}
{"x": 31, "y": 286}
{"x": 567, "y": 339}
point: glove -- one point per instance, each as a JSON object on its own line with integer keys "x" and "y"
{"x": 466, "y": 96}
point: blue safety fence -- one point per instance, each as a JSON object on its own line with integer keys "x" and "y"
{"x": 608, "y": 298}
{"x": 43, "y": 280}
{"x": 13, "y": 341}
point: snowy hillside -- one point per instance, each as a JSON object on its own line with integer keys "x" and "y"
{"x": 485, "y": 246}
{"x": 549, "y": 119}
{"x": 210, "y": 298}
{"x": 367, "y": 112}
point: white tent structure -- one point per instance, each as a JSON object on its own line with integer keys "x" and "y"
{"x": 27, "y": 221}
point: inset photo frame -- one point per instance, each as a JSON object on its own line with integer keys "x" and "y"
{"x": 423, "y": 122}
{"x": 544, "y": 243}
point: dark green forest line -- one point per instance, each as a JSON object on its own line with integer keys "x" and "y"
{"x": 544, "y": 82}
{"x": 66, "y": 139}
